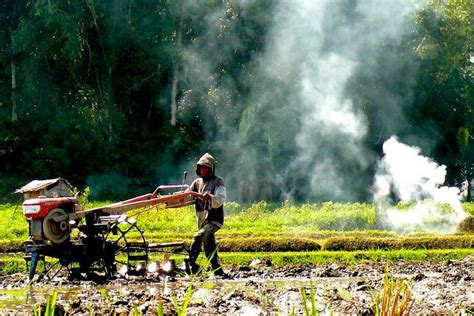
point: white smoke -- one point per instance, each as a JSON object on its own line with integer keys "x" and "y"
{"x": 302, "y": 129}
{"x": 409, "y": 176}
{"x": 324, "y": 45}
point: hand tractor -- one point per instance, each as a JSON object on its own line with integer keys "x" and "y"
{"x": 96, "y": 240}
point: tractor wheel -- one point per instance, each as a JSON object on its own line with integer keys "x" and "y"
{"x": 125, "y": 248}
{"x": 56, "y": 231}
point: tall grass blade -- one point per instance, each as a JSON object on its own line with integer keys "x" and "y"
{"x": 398, "y": 289}
{"x": 396, "y": 298}
{"x": 136, "y": 311}
{"x": 175, "y": 304}
{"x": 51, "y": 304}
{"x": 187, "y": 299}
{"x": 305, "y": 301}
{"x": 312, "y": 294}
{"x": 37, "y": 311}
{"x": 181, "y": 311}
{"x": 160, "y": 311}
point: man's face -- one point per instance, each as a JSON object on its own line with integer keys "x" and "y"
{"x": 204, "y": 171}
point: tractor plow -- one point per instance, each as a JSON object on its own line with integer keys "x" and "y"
{"x": 97, "y": 241}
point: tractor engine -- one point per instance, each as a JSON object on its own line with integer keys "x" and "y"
{"x": 48, "y": 218}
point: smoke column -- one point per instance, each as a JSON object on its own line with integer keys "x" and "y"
{"x": 314, "y": 49}
{"x": 409, "y": 176}
{"x": 301, "y": 130}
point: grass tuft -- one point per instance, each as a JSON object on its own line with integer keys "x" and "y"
{"x": 181, "y": 310}
{"x": 396, "y": 298}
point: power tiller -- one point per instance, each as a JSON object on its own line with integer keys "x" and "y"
{"x": 96, "y": 240}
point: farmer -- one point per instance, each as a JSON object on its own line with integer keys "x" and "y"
{"x": 209, "y": 213}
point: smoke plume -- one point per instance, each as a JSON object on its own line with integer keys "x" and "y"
{"x": 404, "y": 174}
{"x": 303, "y": 131}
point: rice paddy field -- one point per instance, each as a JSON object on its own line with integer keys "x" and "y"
{"x": 265, "y": 227}
{"x": 264, "y": 242}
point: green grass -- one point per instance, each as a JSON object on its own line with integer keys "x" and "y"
{"x": 262, "y": 219}
{"x": 469, "y": 208}
{"x": 13, "y": 225}
{"x": 350, "y": 257}
{"x": 340, "y": 230}
{"x": 12, "y": 264}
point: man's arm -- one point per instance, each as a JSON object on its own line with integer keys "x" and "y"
{"x": 219, "y": 197}
{"x": 192, "y": 187}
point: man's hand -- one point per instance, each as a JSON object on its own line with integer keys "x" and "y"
{"x": 207, "y": 196}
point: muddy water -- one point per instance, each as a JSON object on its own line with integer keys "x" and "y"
{"x": 204, "y": 291}
{"x": 437, "y": 288}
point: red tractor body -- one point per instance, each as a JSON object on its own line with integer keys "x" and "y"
{"x": 40, "y": 207}
{"x": 100, "y": 242}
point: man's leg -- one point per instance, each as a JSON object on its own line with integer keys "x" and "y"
{"x": 210, "y": 248}
{"x": 194, "y": 251}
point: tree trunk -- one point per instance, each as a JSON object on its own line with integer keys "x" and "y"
{"x": 469, "y": 190}
{"x": 174, "y": 95}
{"x": 174, "y": 87}
{"x": 12, "y": 24}
{"x": 13, "y": 72}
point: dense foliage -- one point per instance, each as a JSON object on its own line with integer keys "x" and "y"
{"x": 123, "y": 95}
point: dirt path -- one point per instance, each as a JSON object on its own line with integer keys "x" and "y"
{"x": 437, "y": 288}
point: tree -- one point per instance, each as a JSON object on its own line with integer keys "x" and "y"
{"x": 445, "y": 84}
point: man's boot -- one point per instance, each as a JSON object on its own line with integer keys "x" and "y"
{"x": 190, "y": 261}
{"x": 191, "y": 267}
{"x": 216, "y": 265}
{"x": 210, "y": 248}
{"x": 219, "y": 271}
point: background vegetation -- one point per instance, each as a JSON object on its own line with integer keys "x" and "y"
{"x": 101, "y": 93}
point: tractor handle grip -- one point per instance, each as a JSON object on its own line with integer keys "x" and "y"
{"x": 182, "y": 187}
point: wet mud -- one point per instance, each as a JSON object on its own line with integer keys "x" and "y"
{"x": 438, "y": 288}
